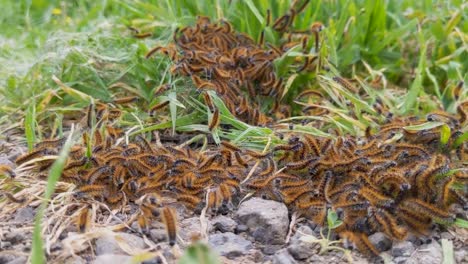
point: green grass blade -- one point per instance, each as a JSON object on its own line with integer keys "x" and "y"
{"x": 461, "y": 223}
{"x": 447, "y": 250}
{"x": 30, "y": 125}
{"x": 255, "y": 11}
{"x": 424, "y": 126}
{"x": 37, "y": 253}
{"x": 417, "y": 84}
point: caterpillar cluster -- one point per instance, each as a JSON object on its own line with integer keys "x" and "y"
{"x": 395, "y": 188}
{"x": 239, "y": 69}
{"x": 153, "y": 176}
{"x": 377, "y": 183}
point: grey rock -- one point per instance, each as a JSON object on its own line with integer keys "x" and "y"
{"x": 299, "y": 252}
{"x": 19, "y": 260}
{"x": 402, "y": 249}
{"x": 257, "y": 256}
{"x": 267, "y": 220}
{"x": 386, "y": 257}
{"x": 400, "y": 260}
{"x": 283, "y": 257}
{"x": 461, "y": 256}
{"x": 7, "y": 162}
{"x": 229, "y": 244}
{"x": 155, "y": 260}
{"x": 24, "y": 215}
{"x": 380, "y": 241}
{"x": 26, "y": 248}
{"x": 109, "y": 245}
{"x": 223, "y": 224}
{"x": 5, "y": 258}
{"x": 113, "y": 258}
{"x": 75, "y": 260}
{"x": 427, "y": 254}
{"x": 158, "y": 234}
{"x": 190, "y": 227}
{"x": 135, "y": 226}
{"x": 241, "y": 229}
{"x": 446, "y": 235}
{"x": 299, "y": 249}
{"x": 56, "y": 246}
{"x": 271, "y": 249}
{"x": 14, "y": 236}
{"x": 5, "y": 244}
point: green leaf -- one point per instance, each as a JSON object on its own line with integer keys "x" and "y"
{"x": 332, "y": 219}
{"x": 461, "y": 223}
{"x": 199, "y": 253}
{"x": 425, "y": 126}
{"x": 452, "y": 23}
{"x": 289, "y": 82}
{"x": 444, "y": 134}
{"x": 79, "y": 96}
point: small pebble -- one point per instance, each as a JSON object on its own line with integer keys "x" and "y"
{"x": 268, "y": 221}
{"x": 402, "y": 249}
{"x": 427, "y": 254}
{"x": 113, "y": 258}
{"x": 24, "y": 215}
{"x": 19, "y": 260}
{"x": 300, "y": 249}
{"x": 158, "y": 234}
{"x": 241, "y": 229}
{"x": 270, "y": 249}
{"x": 5, "y": 244}
{"x": 446, "y": 235}
{"x": 461, "y": 255}
{"x": 108, "y": 244}
{"x": 283, "y": 257}
{"x": 14, "y": 236}
{"x": 229, "y": 244}
{"x": 223, "y": 224}
{"x": 380, "y": 241}
{"x": 400, "y": 260}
